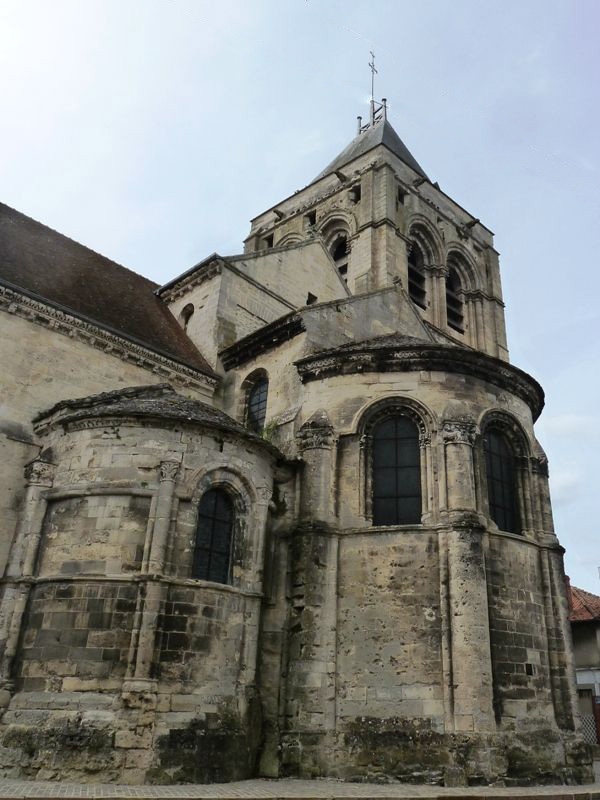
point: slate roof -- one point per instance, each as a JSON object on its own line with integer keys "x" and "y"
{"x": 52, "y": 268}
{"x": 585, "y": 606}
{"x": 381, "y": 133}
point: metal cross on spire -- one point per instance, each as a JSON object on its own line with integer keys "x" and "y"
{"x": 378, "y": 110}
{"x": 373, "y": 71}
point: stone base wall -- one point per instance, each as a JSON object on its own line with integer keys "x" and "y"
{"x": 104, "y": 737}
{"x": 410, "y": 751}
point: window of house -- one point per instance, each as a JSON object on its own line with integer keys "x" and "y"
{"x": 454, "y": 303}
{"x": 416, "y": 277}
{"x": 268, "y": 241}
{"x": 501, "y": 481}
{"x": 396, "y": 464}
{"x": 214, "y": 537}
{"x": 256, "y": 409}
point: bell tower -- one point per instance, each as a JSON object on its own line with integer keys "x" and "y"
{"x": 383, "y": 221}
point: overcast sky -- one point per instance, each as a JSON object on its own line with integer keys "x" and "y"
{"x": 153, "y": 130}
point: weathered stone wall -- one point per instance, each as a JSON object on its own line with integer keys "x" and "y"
{"x": 518, "y": 634}
{"x": 115, "y": 650}
{"x": 40, "y": 367}
{"x": 76, "y": 635}
{"x": 394, "y": 670}
{"x": 232, "y": 298}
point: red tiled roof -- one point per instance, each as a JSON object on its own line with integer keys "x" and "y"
{"x": 585, "y": 606}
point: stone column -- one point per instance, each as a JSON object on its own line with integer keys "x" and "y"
{"x": 21, "y": 568}
{"x": 316, "y": 442}
{"x": 539, "y": 468}
{"x": 437, "y": 284}
{"x": 558, "y": 629}
{"x": 310, "y": 707}
{"x": 150, "y": 593}
{"x": 470, "y": 653}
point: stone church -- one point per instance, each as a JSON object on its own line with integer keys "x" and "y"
{"x": 286, "y": 514}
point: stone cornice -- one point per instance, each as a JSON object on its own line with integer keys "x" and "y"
{"x": 204, "y": 271}
{"x": 60, "y": 321}
{"x": 432, "y": 357}
{"x": 261, "y": 340}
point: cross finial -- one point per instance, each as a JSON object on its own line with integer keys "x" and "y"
{"x": 373, "y": 71}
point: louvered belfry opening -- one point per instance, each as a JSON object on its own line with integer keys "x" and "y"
{"x": 454, "y": 303}
{"x": 416, "y": 277}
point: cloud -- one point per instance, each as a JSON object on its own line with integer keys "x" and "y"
{"x": 566, "y": 485}
{"x": 565, "y": 424}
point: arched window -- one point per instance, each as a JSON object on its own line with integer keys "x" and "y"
{"x": 339, "y": 254}
{"x": 396, "y": 463}
{"x": 454, "y": 303}
{"x": 416, "y": 277}
{"x": 256, "y": 405}
{"x": 186, "y": 314}
{"x": 214, "y": 536}
{"x": 501, "y": 481}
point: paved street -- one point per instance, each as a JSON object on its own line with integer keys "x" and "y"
{"x": 288, "y": 790}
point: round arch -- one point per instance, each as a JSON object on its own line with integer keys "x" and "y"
{"x": 510, "y": 426}
{"x": 378, "y": 410}
{"x": 428, "y": 239}
{"x": 459, "y": 259}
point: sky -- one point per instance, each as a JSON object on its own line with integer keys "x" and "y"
{"x": 152, "y": 131}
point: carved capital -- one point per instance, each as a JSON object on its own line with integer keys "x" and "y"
{"x": 459, "y": 431}
{"x": 169, "y": 470}
{"x": 424, "y": 439}
{"x": 317, "y": 433}
{"x": 39, "y": 473}
{"x": 437, "y": 270}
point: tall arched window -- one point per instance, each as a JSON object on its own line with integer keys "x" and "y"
{"x": 256, "y": 405}
{"x": 214, "y": 537}
{"x": 396, "y": 472}
{"x": 501, "y": 481}
{"x": 416, "y": 277}
{"x": 454, "y": 303}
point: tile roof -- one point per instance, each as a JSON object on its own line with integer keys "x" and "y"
{"x": 585, "y": 606}
{"x": 381, "y": 133}
{"x": 57, "y": 270}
